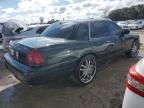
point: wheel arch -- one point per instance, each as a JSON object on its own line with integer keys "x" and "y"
{"x": 74, "y": 75}
{"x": 88, "y": 53}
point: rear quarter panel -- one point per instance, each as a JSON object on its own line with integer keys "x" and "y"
{"x": 66, "y": 56}
{"x": 65, "y": 52}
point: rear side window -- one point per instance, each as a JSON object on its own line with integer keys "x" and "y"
{"x": 99, "y": 29}
{"x": 82, "y": 32}
{"x": 59, "y": 30}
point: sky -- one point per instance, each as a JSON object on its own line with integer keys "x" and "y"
{"x": 31, "y": 10}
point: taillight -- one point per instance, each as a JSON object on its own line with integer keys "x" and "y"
{"x": 34, "y": 57}
{"x": 135, "y": 81}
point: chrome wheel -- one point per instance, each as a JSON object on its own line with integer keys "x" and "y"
{"x": 87, "y": 70}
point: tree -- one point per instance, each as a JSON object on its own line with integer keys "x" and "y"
{"x": 134, "y": 12}
{"x": 41, "y": 20}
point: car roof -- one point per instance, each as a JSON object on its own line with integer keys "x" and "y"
{"x": 38, "y": 25}
{"x": 84, "y": 21}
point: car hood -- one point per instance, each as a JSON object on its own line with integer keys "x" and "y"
{"x": 38, "y": 42}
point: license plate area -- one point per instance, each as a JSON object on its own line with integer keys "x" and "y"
{"x": 14, "y": 53}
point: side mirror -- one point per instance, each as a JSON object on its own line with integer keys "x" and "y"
{"x": 126, "y": 31}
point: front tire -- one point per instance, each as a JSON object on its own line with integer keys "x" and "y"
{"x": 133, "y": 52}
{"x": 85, "y": 71}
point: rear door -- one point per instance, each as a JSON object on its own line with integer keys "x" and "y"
{"x": 82, "y": 32}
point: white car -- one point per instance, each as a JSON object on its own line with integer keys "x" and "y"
{"x": 134, "y": 94}
{"x": 136, "y": 25}
{"x": 123, "y": 24}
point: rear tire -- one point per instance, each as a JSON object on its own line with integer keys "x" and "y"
{"x": 85, "y": 71}
{"x": 133, "y": 52}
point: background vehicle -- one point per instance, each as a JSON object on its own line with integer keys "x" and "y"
{"x": 34, "y": 31}
{"x": 9, "y": 29}
{"x": 71, "y": 48}
{"x": 0, "y": 32}
{"x": 134, "y": 94}
{"x": 136, "y": 25}
{"x": 123, "y": 24}
{"x": 31, "y": 32}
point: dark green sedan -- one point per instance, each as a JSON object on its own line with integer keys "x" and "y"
{"x": 69, "y": 48}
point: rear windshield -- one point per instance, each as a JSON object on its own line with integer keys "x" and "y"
{"x": 59, "y": 30}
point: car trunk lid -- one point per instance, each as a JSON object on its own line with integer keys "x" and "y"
{"x": 39, "y": 42}
{"x": 19, "y": 50}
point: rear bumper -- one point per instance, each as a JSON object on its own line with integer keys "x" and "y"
{"x": 20, "y": 71}
{"x": 133, "y": 27}
{"x": 132, "y": 100}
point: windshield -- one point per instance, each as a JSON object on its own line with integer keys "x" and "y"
{"x": 59, "y": 30}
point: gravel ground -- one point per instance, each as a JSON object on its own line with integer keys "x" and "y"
{"x": 106, "y": 91}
